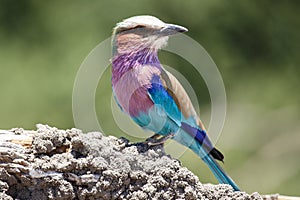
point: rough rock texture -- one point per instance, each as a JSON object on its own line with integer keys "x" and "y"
{"x": 71, "y": 165}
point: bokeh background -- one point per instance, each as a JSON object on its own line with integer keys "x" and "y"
{"x": 255, "y": 45}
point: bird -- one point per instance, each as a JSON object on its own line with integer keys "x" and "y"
{"x": 152, "y": 96}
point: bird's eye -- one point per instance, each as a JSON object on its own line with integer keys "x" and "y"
{"x": 139, "y": 26}
{"x": 136, "y": 27}
{"x": 128, "y": 29}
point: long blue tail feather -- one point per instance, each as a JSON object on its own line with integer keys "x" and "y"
{"x": 219, "y": 173}
{"x": 205, "y": 150}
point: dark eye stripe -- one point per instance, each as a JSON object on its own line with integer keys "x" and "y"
{"x": 128, "y": 29}
{"x": 139, "y": 26}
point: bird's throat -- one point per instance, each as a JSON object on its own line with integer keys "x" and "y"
{"x": 122, "y": 63}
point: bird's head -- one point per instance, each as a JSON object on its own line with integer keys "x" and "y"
{"x": 142, "y": 32}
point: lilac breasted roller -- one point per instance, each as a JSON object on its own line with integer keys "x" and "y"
{"x": 152, "y": 96}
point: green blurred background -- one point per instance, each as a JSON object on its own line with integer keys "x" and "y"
{"x": 255, "y": 44}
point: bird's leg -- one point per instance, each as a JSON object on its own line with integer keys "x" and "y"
{"x": 153, "y": 137}
{"x": 155, "y": 140}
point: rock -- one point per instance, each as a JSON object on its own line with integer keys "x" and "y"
{"x": 67, "y": 164}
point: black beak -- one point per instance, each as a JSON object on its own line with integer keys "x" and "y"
{"x": 171, "y": 29}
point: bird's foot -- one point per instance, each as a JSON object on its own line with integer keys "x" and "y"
{"x": 155, "y": 140}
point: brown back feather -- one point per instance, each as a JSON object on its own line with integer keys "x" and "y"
{"x": 176, "y": 90}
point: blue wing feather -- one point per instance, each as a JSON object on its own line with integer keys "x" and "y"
{"x": 160, "y": 96}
